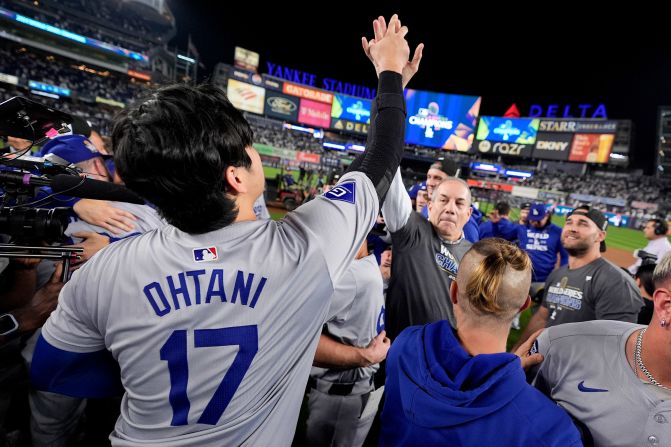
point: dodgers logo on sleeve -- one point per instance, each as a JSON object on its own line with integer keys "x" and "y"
{"x": 345, "y": 192}
{"x": 205, "y": 254}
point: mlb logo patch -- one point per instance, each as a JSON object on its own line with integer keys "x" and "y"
{"x": 206, "y": 254}
{"x": 345, "y": 192}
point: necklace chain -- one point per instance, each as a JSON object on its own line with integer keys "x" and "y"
{"x": 639, "y": 361}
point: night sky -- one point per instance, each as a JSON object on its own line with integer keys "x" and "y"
{"x": 509, "y": 54}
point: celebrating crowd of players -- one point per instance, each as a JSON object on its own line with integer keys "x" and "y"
{"x": 212, "y": 324}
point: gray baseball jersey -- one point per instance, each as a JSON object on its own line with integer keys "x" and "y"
{"x": 215, "y": 333}
{"x": 586, "y": 371}
{"x": 356, "y": 316}
{"x": 596, "y": 291}
{"x": 147, "y": 219}
{"x": 423, "y": 265}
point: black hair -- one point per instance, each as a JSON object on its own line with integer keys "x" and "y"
{"x": 503, "y": 208}
{"x": 644, "y": 274}
{"x": 173, "y": 148}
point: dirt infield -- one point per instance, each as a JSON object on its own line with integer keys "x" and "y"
{"x": 618, "y": 256}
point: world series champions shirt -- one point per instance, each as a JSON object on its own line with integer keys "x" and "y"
{"x": 596, "y": 291}
{"x": 422, "y": 268}
{"x": 215, "y": 333}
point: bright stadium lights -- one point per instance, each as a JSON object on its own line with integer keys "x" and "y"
{"x": 185, "y": 58}
{"x": 356, "y": 147}
{"x": 48, "y": 95}
{"x": 522, "y": 174}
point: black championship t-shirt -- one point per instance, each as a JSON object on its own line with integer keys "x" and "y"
{"x": 596, "y": 291}
{"x": 422, "y": 269}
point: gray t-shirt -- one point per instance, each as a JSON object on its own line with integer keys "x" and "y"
{"x": 596, "y": 291}
{"x": 356, "y": 316}
{"x": 215, "y": 333}
{"x": 585, "y": 370}
{"x": 423, "y": 266}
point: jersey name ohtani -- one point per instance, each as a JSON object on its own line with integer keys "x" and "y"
{"x": 203, "y": 287}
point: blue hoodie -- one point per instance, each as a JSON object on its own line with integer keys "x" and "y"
{"x": 438, "y": 394}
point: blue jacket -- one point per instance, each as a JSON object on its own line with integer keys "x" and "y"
{"x": 471, "y": 232}
{"x": 504, "y": 229}
{"x": 439, "y": 395}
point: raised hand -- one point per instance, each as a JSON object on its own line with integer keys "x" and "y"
{"x": 380, "y": 30}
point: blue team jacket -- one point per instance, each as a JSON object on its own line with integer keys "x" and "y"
{"x": 439, "y": 395}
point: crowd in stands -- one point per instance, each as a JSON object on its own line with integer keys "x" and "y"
{"x": 106, "y": 21}
{"x": 33, "y": 65}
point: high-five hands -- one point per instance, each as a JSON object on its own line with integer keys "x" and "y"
{"x": 392, "y": 32}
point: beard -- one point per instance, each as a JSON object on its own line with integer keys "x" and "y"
{"x": 579, "y": 249}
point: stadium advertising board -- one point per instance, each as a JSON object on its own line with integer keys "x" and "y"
{"x": 486, "y": 184}
{"x": 578, "y": 126}
{"x": 349, "y": 126}
{"x": 507, "y": 130}
{"x": 591, "y": 148}
{"x": 246, "y": 97}
{"x": 351, "y": 108}
{"x": 308, "y": 157}
{"x": 440, "y": 120}
{"x": 308, "y": 93}
{"x": 246, "y": 59}
{"x": 9, "y": 79}
{"x": 552, "y": 146}
{"x": 314, "y": 113}
{"x": 280, "y": 106}
{"x": 49, "y": 88}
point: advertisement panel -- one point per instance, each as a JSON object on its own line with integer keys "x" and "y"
{"x": 349, "y": 126}
{"x": 314, "y": 113}
{"x": 440, "y": 120}
{"x": 280, "y": 106}
{"x": 351, "y": 108}
{"x": 552, "y": 146}
{"x": 308, "y": 157}
{"x": 49, "y": 88}
{"x": 246, "y": 59}
{"x": 246, "y": 96}
{"x": 9, "y": 79}
{"x": 307, "y": 93}
{"x": 578, "y": 126}
{"x": 507, "y": 130}
{"x": 500, "y": 148}
{"x": 486, "y": 184}
{"x": 591, "y": 148}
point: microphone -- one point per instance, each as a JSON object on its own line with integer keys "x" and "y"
{"x": 93, "y": 189}
{"x": 23, "y": 178}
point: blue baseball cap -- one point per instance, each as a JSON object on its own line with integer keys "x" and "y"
{"x": 414, "y": 189}
{"x": 71, "y": 148}
{"x": 537, "y": 212}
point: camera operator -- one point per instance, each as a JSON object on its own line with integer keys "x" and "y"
{"x": 655, "y": 231}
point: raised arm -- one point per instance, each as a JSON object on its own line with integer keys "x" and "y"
{"x": 384, "y": 147}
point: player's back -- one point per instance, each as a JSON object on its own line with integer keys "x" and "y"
{"x": 214, "y": 333}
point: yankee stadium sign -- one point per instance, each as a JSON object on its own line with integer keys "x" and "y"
{"x": 333, "y": 85}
